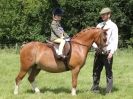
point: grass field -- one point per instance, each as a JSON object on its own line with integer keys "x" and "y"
{"x": 58, "y": 86}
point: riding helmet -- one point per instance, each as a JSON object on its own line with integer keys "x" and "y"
{"x": 58, "y": 12}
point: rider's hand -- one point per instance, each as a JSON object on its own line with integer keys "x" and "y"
{"x": 62, "y": 37}
{"x": 98, "y": 50}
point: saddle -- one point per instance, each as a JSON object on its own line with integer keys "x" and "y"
{"x": 55, "y": 46}
{"x": 66, "y": 51}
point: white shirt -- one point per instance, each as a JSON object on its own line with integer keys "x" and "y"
{"x": 112, "y": 36}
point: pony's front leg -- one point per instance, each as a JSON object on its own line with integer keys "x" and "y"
{"x": 75, "y": 73}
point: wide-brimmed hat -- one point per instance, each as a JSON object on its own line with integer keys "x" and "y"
{"x": 105, "y": 10}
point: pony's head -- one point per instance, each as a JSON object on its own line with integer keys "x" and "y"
{"x": 89, "y": 35}
{"x": 100, "y": 38}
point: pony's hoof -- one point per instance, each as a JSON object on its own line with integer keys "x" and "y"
{"x": 15, "y": 93}
{"x": 73, "y": 94}
{"x": 37, "y": 90}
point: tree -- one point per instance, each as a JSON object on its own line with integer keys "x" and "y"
{"x": 28, "y": 20}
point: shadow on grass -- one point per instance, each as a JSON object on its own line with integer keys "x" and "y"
{"x": 68, "y": 91}
{"x": 55, "y": 90}
{"x": 103, "y": 90}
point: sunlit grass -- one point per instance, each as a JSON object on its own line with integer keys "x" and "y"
{"x": 58, "y": 86}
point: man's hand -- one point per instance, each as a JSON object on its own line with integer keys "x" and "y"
{"x": 98, "y": 50}
{"x": 110, "y": 55}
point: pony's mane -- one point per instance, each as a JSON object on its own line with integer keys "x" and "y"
{"x": 84, "y": 30}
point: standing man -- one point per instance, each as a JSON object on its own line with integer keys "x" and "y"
{"x": 105, "y": 57}
{"x": 57, "y": 32}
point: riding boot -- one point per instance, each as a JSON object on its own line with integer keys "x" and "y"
{"x": 109, "y": 84}
{"x": 95, "y": 88}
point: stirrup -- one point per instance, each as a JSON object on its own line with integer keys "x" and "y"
{"x": 62, "y": 56}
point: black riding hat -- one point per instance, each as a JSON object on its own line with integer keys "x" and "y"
{"x": 58, "y": 11}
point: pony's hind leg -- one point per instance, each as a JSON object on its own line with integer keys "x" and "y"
{"x": 32, "y": 74}
{"x": 25, "y": 67}
{"x": 20, "y": 76}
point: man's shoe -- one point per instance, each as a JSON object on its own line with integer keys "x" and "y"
{"x": 108, "y": 91}
{"x": 109, "y": 85}
{"x": 95, "y": 89}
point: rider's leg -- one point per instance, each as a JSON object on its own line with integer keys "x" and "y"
{"x": 61, "y": 46}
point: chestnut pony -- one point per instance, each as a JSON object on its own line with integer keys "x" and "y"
{"x": 36, "y": 56}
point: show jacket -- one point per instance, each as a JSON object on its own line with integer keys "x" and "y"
{"x": 56, "y": 30}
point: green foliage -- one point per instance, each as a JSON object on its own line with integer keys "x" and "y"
{"x": 80, "y": 14}
{"x": 22, "y": 20}
{"x": 28, "y": 20}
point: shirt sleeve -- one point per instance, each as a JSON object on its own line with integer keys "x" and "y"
{"x": 100, "y": 25}
{"x": 94, "y": 45}
{"x": 114, "y": 39}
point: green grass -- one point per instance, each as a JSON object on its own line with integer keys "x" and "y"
{"x": 58, "y": 86}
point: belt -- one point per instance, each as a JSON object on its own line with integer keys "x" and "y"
{"x": 105, "y": 52}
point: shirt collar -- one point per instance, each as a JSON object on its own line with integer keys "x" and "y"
{"x": 107, "y": 22}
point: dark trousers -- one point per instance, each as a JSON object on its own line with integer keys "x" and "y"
{"x": 101, "y": 60}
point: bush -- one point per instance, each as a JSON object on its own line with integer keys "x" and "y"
{"x": 28, "y": 20}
